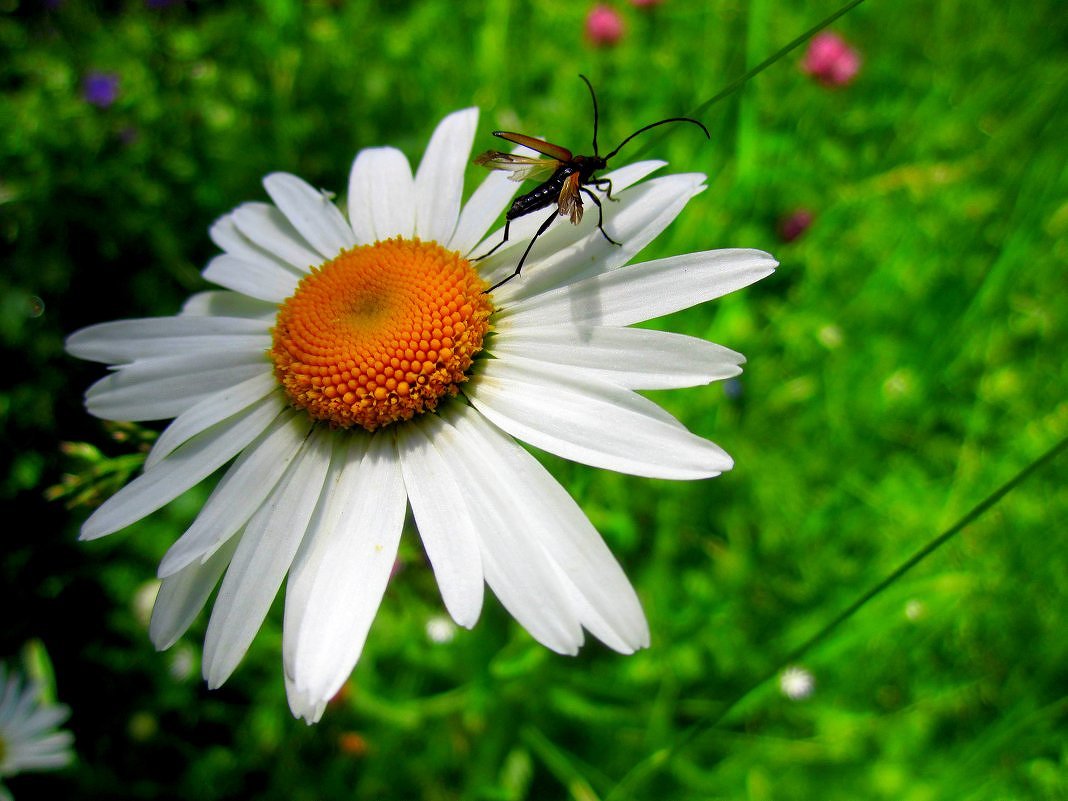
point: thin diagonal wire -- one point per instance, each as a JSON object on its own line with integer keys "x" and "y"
{"x": 647, "y": 767}
{"x": 741, "y": 81}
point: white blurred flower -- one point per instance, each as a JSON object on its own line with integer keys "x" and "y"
{"x": 314, "y": 370}
{"x": 796, "y": 683}
{"x": 30, "y": 739}
{"x": 439, "y": 629}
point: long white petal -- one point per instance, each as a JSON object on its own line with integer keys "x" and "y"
{"x": 302, "y": 704}
{"x": 640, "y": 292}
{"x": 224, "y": 303}
{"x": 126, "y": 340}
{"x": 489, "y": 199}
{"x": 572, "y": 253}
{"x": 343, "y": 474}
{"x": 381, "y": 195}
{"x": 311, "y": 212}
{"x": 243, "y": 490}
{"x": 159, "y": 388}
{"x": 592, "y": 422}
{"x": 605, "y": 600}
{"x": 187, "y": 466}
{"x": 445, "y": 526}
{"x": 439, "y": 181}
{"x": 340, "y": 576}
{"x": 183, "y": 595}
{"x": 637, "y": 358}
{"x": 517, "y": 568}
{"x": 213, "y": 409}
{"x": 263, "y": 556}
{"x": 272, "y": 284}
{"x": 266, "y": 227}
{"x": 225, "y": 233}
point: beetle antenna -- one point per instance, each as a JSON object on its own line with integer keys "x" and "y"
{"x": 653, "y": 125}
{"x": 594, "y": 98}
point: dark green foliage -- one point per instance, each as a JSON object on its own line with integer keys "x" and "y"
{"x": 907, "y": 358}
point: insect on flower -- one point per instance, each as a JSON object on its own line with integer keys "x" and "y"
{"x": 569, "y": 176}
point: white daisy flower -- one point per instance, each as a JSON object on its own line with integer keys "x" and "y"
{"x": 29, "y": 735}
{"x": 323, "y": 369}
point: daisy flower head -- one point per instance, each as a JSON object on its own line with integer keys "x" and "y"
{"x": 353, "y": 365}
{"x": 30, "y": 739}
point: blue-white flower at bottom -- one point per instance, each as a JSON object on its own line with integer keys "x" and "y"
{"x": 352, "y": 366}
{"x": 30, "y": 737}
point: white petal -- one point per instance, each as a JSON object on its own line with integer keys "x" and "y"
{"x": 605, "y": 600}
{"x": 641, "y": 292}
{"x": 159, "y": 388}
{"x": 630, "y": 174}
{"x": 224, "y": 303}
{"x": 270, "y": 283}
{"x": 340, "y": 576}
{"x": 267, "y": 228}
{"x": 311, "y": 212}
{"x": 636, "y": 358}
{"x": 381, "y": 195}
{"x": 225, "y": 233}
{"x": 592, "y": 422}
{"x": 481, "y": 210}
{"x": 126, "y": 340}
{"x": 186, "y": 467}
{"x": 518, "y": 570}
{"x": 241, "y": 491}
{"x": 183, "y": 595}
{"x": 439, "y": 181}
{"x": 302, "y": 704}
{"x": 571, "y": 252}
{"x": 445, "y": 526}
{"x": 213, "y": 409}
{"x": 263, "y": 556}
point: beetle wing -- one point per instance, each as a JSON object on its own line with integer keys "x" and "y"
{"x": 521, "y": 167}
{"x": 570, "y": 201}
{"x": 547, "y": 148}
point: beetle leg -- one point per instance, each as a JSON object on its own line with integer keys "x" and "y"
{"x": 599, "y": 182}
{"x": 544, "y": 227}
{"x": 494, "y": 249}
{"x": 600, "y": 216}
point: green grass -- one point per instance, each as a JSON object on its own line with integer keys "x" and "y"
{"x": 905, "y": 361}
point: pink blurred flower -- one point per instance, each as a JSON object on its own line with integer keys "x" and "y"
{"x": 794, "y": 224}
{"x": 830, "y": 60}
{"x": 604, "y": 27}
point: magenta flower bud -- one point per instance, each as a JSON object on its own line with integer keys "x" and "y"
{"x": 794, "y": 224}
{"x": 830, "y": 60}
{"x": 604, "y": 26}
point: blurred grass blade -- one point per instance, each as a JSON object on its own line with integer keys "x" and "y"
{"x": 560, "y": 765}
{"x": 658, "y": 759}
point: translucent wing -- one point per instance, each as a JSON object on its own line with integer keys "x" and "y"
{"x": 570, "y": 201}
{"x": 546, "y": 148}
{"x": 521, "y": 167}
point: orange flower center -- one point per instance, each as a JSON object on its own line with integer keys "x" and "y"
{"x": 381, "y": 333}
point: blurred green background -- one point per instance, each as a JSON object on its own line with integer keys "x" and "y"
{"x": 907, "y": 358}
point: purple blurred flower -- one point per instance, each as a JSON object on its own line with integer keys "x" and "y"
{"x": 794, "y": 224}
{"x": 100, "y": 88}
{"x": 604, "y": 27}
{"x": 830, "y": 60}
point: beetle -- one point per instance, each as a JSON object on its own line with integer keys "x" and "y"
{"x": 569, "y": 177}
